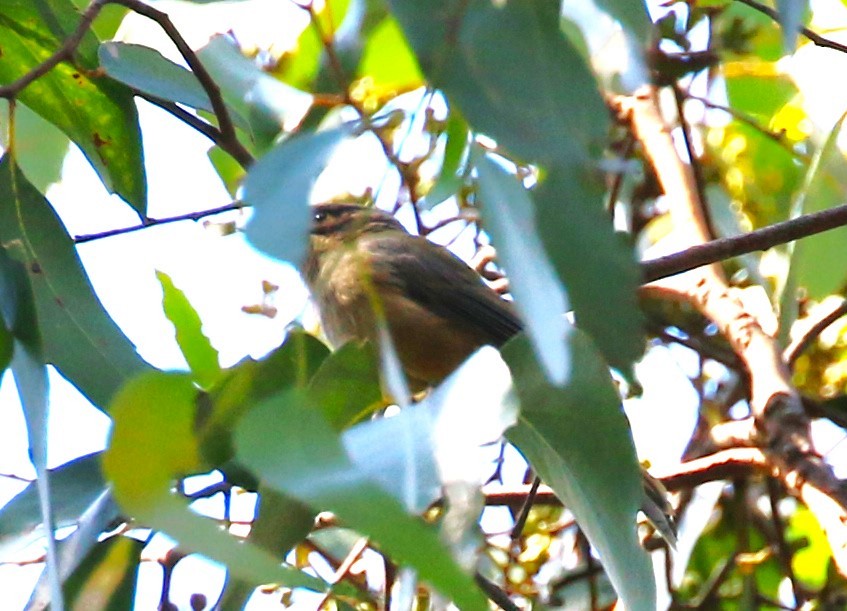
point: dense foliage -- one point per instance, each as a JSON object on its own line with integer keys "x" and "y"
{"x": 581, "y": 143}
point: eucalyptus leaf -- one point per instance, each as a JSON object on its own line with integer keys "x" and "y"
{"x": 279, "y": 187}
{"x": 449, "y": 179}
{"x": 291, "y": 365}
{"x": 818, "y": 263}
{"x": 30, "y": 372}
{"x": 539, "y": 295}
{"x": 148, "y": 71}
{"x": 388, "y": 63}
{"x": 74, "y": 487}
{"x": 294, "y": 450}
{"x": 40, "y": 146}
{"x": 632, "y": 15}
{"x": 158, "y": 410}
{"x": 106, "y": 579}
{"x": 791, "y": 14}
{"x": 269, "y": 105}
{"x": 198, "y": 351}
{"x": 347, "y": 385}
{"x": 577, "y": 439}
{"x": 80, "y": 339}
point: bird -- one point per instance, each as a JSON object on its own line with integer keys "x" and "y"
{"x": 362, "y": 261}
{"x": 362, "y": 265}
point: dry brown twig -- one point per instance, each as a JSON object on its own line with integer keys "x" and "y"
{"x": 782, "y": 428}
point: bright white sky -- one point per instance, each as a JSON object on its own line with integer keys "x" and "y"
{"x": 220, "y": 275}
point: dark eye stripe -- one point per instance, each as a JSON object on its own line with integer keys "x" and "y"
{"x": 331, "y": 218}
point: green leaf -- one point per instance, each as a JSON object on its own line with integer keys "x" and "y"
{"x": 40, "y": 147}
{"x": 198, "y": 351}
{"x": 295, "y": 451}
{"x": 279, "y": 187}
{"x": 153, "y": 443}
{"x": 106, "y": 579}
{"x": 248, "y": 383}
{"x": 760, "y": 95}
{"x": 301, "y": 66}
{"x": 7, "y": 343}
{"x": 96, "y": 113}
{"x": 811, "y": 562}
{"x": 73, "y": 486}
{"x": 539, "y": 295}
{"x": 515, "y": 77}
{"x": 449, "y": 179}
{"x": 633, "y": 16}
{"x": 268, "y": 105}
{"x": 73, "y": 549}
{"x": 108, "y": 20}
{"x": 388, "y": 63}
{"x": 578, "y": 441}
{"x": 347, "y": 384}
{"x": 147, "y": 70}
{"x": 229, "y": 170}
{"x": 825, "y": 186}
{"x": 763, "y": 177}
{"x": 18, "y": 309}
{"x": 80, "y": 339}
{"x": 281, "y": 522}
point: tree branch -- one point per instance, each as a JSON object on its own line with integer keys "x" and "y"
{"x": 810, "y": 34}
{"x": 722, "y": 465}
{"x": 151, "y": 222}
{"x": 782, "y": 428}
{"x": 63, "y": 53}
{"x": 760, "y": 239}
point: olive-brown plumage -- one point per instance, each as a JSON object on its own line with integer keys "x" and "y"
{"x": 438, "y": 310}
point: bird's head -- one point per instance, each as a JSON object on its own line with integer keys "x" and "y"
{"x": 335, "y": 224}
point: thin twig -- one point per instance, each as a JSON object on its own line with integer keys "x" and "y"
{"x": 783, "y": 549}
{"x": 228, "y": 138}
{"x": 496, "y": 594}
{"x": 701, "y": 345}
{"x": 520, "y": 522}
{"x": 207, "y": 129}
{"x": 515, "y": 496}
{"x": 799, "y": 345}
{"x": 760, "y": 239}
{"x": 63, "y": 53}
{"x": 151, "y": 222}
{"x": 778, "y": 137}
{"x": 693, "y": 160}
{"x": 810, "y": 34}
{"x": 344, "y": 568}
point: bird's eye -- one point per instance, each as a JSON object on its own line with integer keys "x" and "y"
{"x": 319, "y": 216}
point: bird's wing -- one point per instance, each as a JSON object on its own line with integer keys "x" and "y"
{"x": 436, "y": 278}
